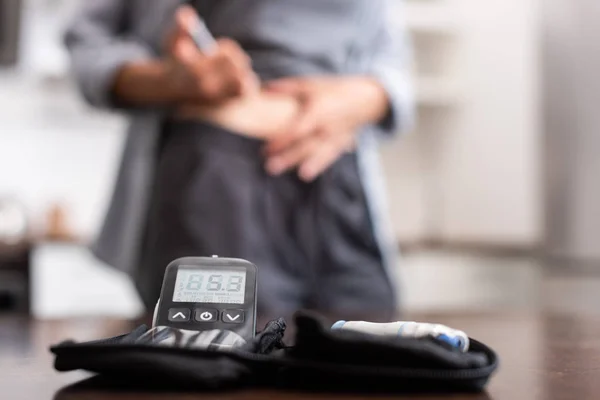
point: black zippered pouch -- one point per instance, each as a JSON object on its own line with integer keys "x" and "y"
{"x": 321, "y": 359}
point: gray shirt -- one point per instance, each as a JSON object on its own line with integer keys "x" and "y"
{"x": 283, "y": 37}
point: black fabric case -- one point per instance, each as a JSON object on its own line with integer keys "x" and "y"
{"x": 321, "y": 359}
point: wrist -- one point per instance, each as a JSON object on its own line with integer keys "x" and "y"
{"x": 170, "y": 82}
{"x": 147, "y": 82}
{"x": 373, "y": 99}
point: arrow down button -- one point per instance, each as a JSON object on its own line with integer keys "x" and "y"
{"x": 233, "y": 316}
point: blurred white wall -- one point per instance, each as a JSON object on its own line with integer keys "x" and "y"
{"x": 490, "y": 161}
{"x": 471, "y": 172}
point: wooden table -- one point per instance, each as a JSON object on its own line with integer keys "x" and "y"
{"x": 543, "y": 356}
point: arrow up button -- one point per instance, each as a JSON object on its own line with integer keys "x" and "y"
{"x": 179, "y": 314}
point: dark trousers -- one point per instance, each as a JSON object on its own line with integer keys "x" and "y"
{"x": 313, "y": 243}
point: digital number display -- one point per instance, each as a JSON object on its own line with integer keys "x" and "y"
{"x": 227, "y": 286}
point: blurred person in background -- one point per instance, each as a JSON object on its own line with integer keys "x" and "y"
{"x": 263, "y": 149}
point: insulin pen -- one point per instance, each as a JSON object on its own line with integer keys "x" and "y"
{"x": 202, "y": 37}
{"x": 455, "y": 338}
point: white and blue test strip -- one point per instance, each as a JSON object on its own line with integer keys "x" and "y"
{"x": 408, "y": 329}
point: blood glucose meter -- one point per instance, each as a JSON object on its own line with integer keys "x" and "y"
{"x": 208, "y": 293}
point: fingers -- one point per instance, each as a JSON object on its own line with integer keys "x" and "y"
{"x": 180, "y": 45}
{"x": 305, "y": 125}
{"x": 184, "y": 51}
{"x": 292, "y": 156}
{"x": 292, "y": 86}
{"x": 319, "y": 161}
{"x": 313, "y": 156}
{"x": 214, "y": 76}
{"x": 239, "y": 64}
{"x": 231, "y": 50}
{"x": 309, "y": 117}
{"x": 228, "y": 72}
{"x": 327, "y": 153}
{"x": 223, "y": 74}
{"x": 186, "y": 18}
{"x": 184, "y": 21}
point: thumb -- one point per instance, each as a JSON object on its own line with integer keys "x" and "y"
{"x": 178, "y": 29}
{"x": 179, "y": 43}
{"x": 184, "y": 51}
{"x": 186, "y": 18}
{"x": 306, "y": 124}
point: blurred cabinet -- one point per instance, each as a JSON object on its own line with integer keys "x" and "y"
{"x": 435, "y": 29}
{"x": 10, "y": 25}
{"x": 571, "y": 54}
{"x": 15, "y": 250}
{"x": 15, "y": 286}
{"x": 470, "y": 172}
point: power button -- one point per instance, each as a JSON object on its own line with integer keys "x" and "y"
{"x": 206, "y": 315}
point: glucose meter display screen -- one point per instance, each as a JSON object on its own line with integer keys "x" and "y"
{"x": 227, "y": 285}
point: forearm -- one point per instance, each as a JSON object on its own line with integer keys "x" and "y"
{"x": 145, "y": 83}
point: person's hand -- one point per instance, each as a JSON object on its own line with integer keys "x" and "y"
{"x": 222, "y": 74}
{"x": 333, "y": 109}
